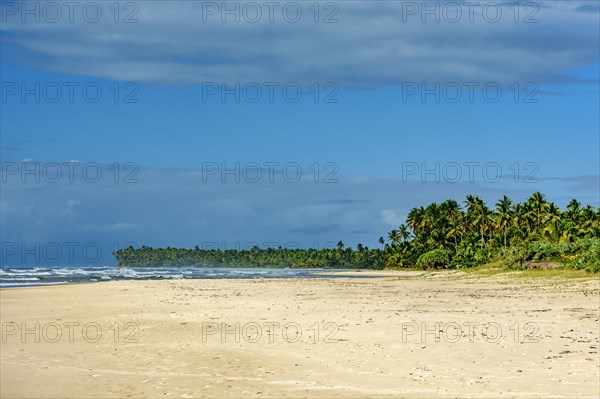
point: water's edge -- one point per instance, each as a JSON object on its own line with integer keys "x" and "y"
{"x": 39, "y": 276}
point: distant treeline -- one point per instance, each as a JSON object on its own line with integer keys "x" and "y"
{"x": 445, "y": 235}
{"x": 340, "y": 257}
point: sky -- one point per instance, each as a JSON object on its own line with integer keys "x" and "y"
{"x": 232, "y": 124}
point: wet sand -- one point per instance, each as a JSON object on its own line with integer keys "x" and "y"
{"x": 410, "y": 335}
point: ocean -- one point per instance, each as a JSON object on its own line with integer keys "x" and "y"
{"x": 53, "y": 275}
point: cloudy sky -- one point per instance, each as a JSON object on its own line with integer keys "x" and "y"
{"x": 237, "y": 123}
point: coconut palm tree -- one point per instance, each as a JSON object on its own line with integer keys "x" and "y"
{"x": 394, "y": 237}
{"x": 538, "y": 207}
{"x": 504, "y": 215}
{"x": 553, "y": 230}
{"x": 404, "y": 232}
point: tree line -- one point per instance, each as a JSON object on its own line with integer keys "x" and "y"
{"x": 341, "y": 257}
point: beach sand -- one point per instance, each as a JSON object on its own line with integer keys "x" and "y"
{"x": 501, "y": 336}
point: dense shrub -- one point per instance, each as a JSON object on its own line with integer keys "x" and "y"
{"x": 589, "y": 259}
{"x": 582, "y": 254}
{"x": 482, "y": 256}
{"x": 434, "y": 259}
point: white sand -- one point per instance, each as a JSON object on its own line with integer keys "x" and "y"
{"x": 548, "y": 346}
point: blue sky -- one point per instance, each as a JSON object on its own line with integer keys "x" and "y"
{"x": 368, "y": 62}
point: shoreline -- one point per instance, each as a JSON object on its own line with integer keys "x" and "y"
{"x": 566, "y": 274}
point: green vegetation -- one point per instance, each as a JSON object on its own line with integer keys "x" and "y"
{"x": 433, "y": 259}
{"x": 441, "y": 236}
{"x": 515, "y": 235}
{"x": 340, "y": 257}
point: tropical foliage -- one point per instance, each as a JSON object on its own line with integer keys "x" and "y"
{"x": 340, "y": 257}
{"x": 517, "y": 233}
{"x": 433, "y": 259}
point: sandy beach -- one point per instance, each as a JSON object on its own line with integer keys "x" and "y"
{"x": 412, "y": 335}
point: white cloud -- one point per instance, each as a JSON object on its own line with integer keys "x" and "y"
{"x": 108, "y": 227}
{"x": 374, "y": 44}
{"x": 70, "y": 212}
{"x": 391, "y": 217}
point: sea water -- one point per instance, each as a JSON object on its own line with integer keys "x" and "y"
{"x": 52, "y": 275}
